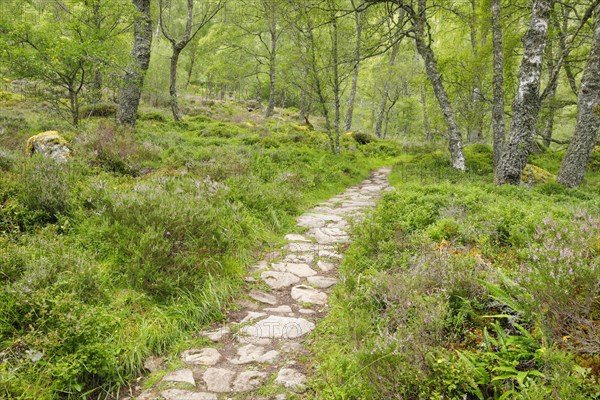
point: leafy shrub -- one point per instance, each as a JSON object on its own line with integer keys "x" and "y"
{"x": 98, "y": 110}
{"x": 362, "y": 138}
{"x": 479, "y": 158}
{"x": 153, "y": 116}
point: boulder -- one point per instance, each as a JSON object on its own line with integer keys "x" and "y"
{"x": 49, "y": 144}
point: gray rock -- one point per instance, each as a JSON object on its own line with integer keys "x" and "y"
{"x": 217, "y": 334}
{"x": 280, "y": 310}
{"x": 263, "y": 297}
{"x": 306, "y": 294}
{"x": 207, "y": 356}
{"x": 291, "y": 379}
{"x": 248, "y": 380}
{"x": 252, "y": 316}
{"x": 292, "y": 237}
{"x": 178, "y": 394}
{"x": 182, "y": 375}
{"x": 218, "y": 379}
{"x": 50, "y": 145}
{"x": 279, "y": 280}
{"x": 305, "y": 258}
{"x": 322, "y": 282}
{"x": 325, "y": 266}
{"x": 153, "y": 363}
{"x": 255, "y": 354}
{"x": 277, "y": 327}
{"x": 301, "y": 270}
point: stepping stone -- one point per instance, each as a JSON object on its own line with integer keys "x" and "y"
{"x": 299, "y": 248}
{"x": 306, "y": 294}
{"x": 329, "y": 254}
{"x": 178, "y": 394}
{"x": 218, "y": 380}
{"x": 292, "y": 347}
{"x": 333, "y": 231}
{"x": 247, "y": 304}
{"x": 306, "y": 258}
{"x": 218, "y": 334}
{"x": 182, "y": 375}
{"x": 292, "y": 237}
{"x": 325, "y": 266}
{"x": 322, "y": 282}
{"x": 301, "y": 270}
{"x": 251, "y": 316}
{"x": 260, "y": 266}
{"x": 280, "y": 310}
{"x": 248, "y": 380}
{"x": 310, "y": 221}
{"x": 255, "y": 354}
{"x": 276, "y": 327}
{"x": 279, "y": 280}
{"x": 263, "y": 297}
{"x": 207, "y": 356}
{"x": 306, "y": 311}
{"x": 291, "y": 379}
{"x": 153, "y": 363}
{"x": 323, "y": 238}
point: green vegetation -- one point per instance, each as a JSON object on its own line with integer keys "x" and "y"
{"x": 467, "y": 291}
{"x": 143, "y": 238}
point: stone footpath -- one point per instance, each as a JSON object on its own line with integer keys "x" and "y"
{"x": 257, "y": 354}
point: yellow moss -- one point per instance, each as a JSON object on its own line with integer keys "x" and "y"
{"x": 533, "y": 174}
{"x": 55, "y": 138}
{"x": 301, "y": 128}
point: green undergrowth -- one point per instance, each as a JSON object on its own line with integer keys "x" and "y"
{"x": 457, "y": 289}
{"x": 143, "y": 239}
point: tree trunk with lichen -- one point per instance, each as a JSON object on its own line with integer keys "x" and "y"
{"x": 526, "y": 105}
{"x": 131, "y": 92}
{"x": 574, "y": 165}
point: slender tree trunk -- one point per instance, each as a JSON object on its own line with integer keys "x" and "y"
{"x": 549, "y": 123}
{"x": 476, "y": 125}
{"x": 74, "y": 106}
{"x": 574, "y": 165}
{"x": 498, "y": 124}
{"x": 97, "y": 86}
{"x": 336, "y": 82}
{"x": 350, "y": 112}
{"x": 272, "y": 72}
{"x": 426, "y": 124}
{"x": 173, "y": 86}
{"x": 526, "y": 105}
{"x": 190, "y": 73}
{"x": 133, "y": 83}
{"x": 455, "y": 145}
{"x": 386, "y": 92}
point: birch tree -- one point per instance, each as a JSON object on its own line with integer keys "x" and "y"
{"x": 573, "y": 167}
{"x": 526, "y": 104}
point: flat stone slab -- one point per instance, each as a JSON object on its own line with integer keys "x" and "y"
{"x": 182, "y": 375}
{"x": 263, "y": 297}
{"x": 322, "y": 282}
{"x": 324, "y": 238}
{"x": 325, "y": 266}
{"x": 207, "y": 356}
{"x": 217, "y": 334}
{"x": 299, "y": 248}
{"x": 252, "y": 316}
{"x": 291, "y": 379}
{"x": 279, "y": 310}
{"x": 302, "y": 258}
{"x": 330, "y": 254}
{"x": 278, "y": 327}
{"x": 248, "y": 380}
{"x": 307, "y": 294}
{"x": 298, "y": 269}
{"x": 218, "y": 379}
{"x": 292, "y": 237}
{"x": 279, "y": 280}
{"x": 178, "y": 394}
{"x": 255, "y": 354}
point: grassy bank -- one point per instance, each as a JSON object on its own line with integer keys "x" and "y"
{"x": 458, "y": 289}
{"x": 143, "y": 238}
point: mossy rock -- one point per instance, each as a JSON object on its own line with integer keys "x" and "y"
{"x": 98, "y": 110}
{"x": 50, "y": 145}
{"x": 536, "y": 175}
{"x": 362, "y": 138}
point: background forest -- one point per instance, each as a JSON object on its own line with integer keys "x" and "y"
{"x": 218, "y": 122}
